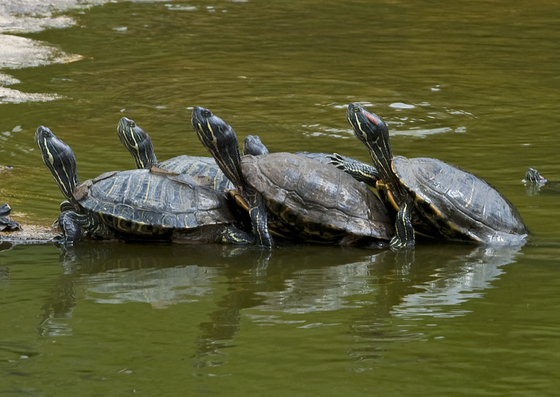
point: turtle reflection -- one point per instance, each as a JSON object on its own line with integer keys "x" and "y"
{"x": 375, "y": 297}
{"x": 159, "y": 275}
{"x": 449, "y": 276}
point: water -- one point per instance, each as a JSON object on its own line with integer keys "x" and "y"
{"x": 474, "y": 84}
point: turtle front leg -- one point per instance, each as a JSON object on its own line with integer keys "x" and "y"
{"x": 404, "y": 231}
{"x": 258, "y": 214}
{"x": 358, "y": 170}
{"x": 73, "y": 225}
{"x": 71, "y": 229}
{"x": 66, "y": 206}
{"x": 251, "y": 200}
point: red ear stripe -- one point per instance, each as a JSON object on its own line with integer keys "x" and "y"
{"x": 371, "y": 117}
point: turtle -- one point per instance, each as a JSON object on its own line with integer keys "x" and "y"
{"x": 139, "y": 144}
{"x": 431, "y": 197}
{"x": 533, "y": 176}
{"x": 536, "y": 183}
{"x": 253, "y": 145}
{"x": 130, "y": 204}
{"x": 7, "y": 224}
{"x": 296, "y": 197}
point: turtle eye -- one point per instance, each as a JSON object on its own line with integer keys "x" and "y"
{"x": 131, "y": 123}
{"x": 206, "y": 113}
{"x": 45, "y": 131}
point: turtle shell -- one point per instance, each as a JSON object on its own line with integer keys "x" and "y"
{"x": 318, "y": 202}
{"x": 200, "y": 167}
{"x": 457, "y": 204}
{"x": 148, "y": 203}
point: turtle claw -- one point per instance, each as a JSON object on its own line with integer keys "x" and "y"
{"x": 337, "y": 161}
{"x": 70, "y": 227}
{"x": 404, "y": 231}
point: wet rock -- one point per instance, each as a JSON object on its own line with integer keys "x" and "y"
{"x": 30, "y": 234}
{"x": 24, "y": 16}
{"x": 15, "y": 96}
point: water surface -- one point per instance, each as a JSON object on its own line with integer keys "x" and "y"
{"x": 474, "y": 84}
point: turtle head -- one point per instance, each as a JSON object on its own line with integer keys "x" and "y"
{"x": 369, "y": 129}
{"x": 533, "y": 176}
{"x": 219, "y": 138}
{"x": 253, "y": 145}
{"x": 214, "y": 133}
{"x": 373, "y": 133}
{"x": 60, "y": 160}
{"x": 137, "y": 142}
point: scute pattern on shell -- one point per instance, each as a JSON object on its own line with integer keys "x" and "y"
{"x": 199, "y": 166}
{"x": 316, "y": 199}
{"x": 473, "y": 207}
{"x": 137, "y": 198}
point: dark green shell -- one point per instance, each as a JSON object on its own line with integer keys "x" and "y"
{"x": 457, "y": 204}
{"x": 199, "y": 166}
{"x": 315, "y": 201}
{"x": 144, "y": 202}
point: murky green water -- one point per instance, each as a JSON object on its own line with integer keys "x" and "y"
{"x": 472, "y": 83}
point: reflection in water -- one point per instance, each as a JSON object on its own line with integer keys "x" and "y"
{"x": 462, "y": 278}
{"x": 158, "y": 287}
{"x": 416, "y": 120}
{"x": 58, "y": 308}
{"x": 409, "y": 123}
{"x": 444, "y": 279}
{"x": 160, "y": 276}
{"x": 120, "y": 273}
{"x": 4, "y": 276}
{"x": 548, "y": 188}
{"x": 323, "y": 289}
{"x": 389, "y": 290}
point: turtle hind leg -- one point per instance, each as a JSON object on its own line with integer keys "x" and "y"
{"x": 222, "y": 234}
{"x": 259, "y": 218}
{"x": 404, "y": 231}
{"x": 74, "y": 225}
